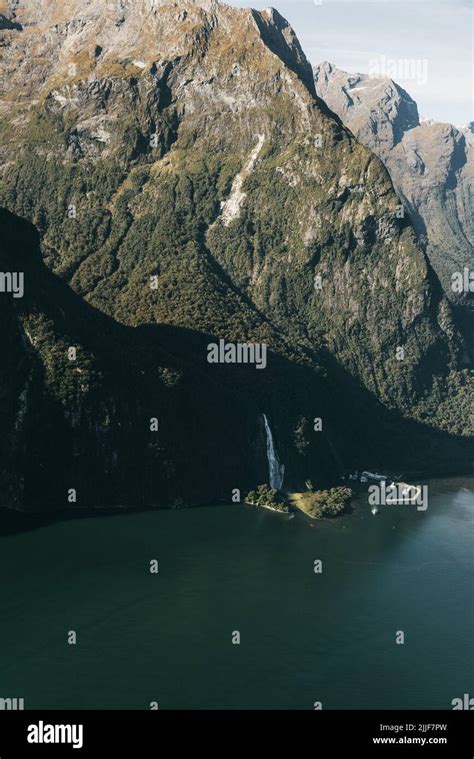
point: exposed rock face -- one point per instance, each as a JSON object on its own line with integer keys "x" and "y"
{"x": 431, "y": 164}
{"x": 183, "y": 144}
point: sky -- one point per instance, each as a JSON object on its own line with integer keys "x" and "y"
{"x": 365, "y": 36}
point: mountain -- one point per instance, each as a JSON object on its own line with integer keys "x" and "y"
{"x": 188, "y": 186}
{"x": 431, "y": 165}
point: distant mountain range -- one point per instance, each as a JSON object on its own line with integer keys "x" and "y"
{"x": 188, "y": 185}
{"x": 431, "y": 165}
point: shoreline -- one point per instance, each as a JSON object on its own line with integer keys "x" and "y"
{"x": 263, "y": 506}
{"x": 14, "y": 521}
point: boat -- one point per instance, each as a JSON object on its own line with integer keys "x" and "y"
{"x": 373, "y": 477}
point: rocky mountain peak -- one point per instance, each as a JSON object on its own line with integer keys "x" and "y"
{"x": 49, "y": 46}
{"x": 351, "y": 96}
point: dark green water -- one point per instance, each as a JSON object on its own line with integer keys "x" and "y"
{"x": 304, "y": 637}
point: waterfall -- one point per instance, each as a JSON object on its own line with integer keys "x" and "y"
{"x": 276, "y": 470}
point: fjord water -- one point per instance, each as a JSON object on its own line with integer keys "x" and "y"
{"x": 305, "y": 637}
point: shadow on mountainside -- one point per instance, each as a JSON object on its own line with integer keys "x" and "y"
{"x": 84, "y": 425}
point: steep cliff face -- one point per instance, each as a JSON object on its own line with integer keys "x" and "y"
{"x": 181, "y": 172}
{"x": 431, "y": 165}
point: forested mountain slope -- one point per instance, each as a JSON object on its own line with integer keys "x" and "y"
{"x": 182, "y": 172}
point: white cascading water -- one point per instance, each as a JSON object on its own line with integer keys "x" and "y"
{"x": 277, "y": 470}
